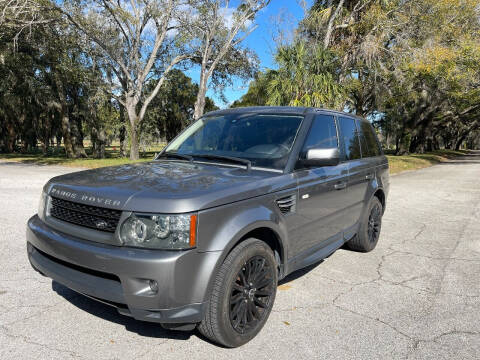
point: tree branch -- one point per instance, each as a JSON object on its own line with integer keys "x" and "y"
{"x": 160, "y": 82}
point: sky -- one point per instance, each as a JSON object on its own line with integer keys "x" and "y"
{"x": 261, "y": 41}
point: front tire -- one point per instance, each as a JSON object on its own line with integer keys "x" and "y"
{"x": 243, "y": 295}
{"x": 370, "y": 226}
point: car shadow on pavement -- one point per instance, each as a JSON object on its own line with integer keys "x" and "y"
{"x": 109, "y": 313}
{"x": 144, "y": 328}
{"x": 299, "y": 273}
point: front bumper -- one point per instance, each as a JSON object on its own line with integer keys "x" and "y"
{"x": 120, "y": 276}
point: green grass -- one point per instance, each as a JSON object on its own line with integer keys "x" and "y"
{"x": 112, "y": 157}
{"x": 397, "y": 163}
{"x": 419, "y": 161}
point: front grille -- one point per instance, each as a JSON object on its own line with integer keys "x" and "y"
{"x": 85, "y": 215}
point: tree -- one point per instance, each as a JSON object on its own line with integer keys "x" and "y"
{"x": 305, "y": 77}
{"x": 139, "y": 39}
{"x": 50, "y": 89}
{"x": 433, "y": 72}
{"x": 358, "y": 33}
{"x": 411, "y": 66}
{"x": 257, "y": 94}
{"x": 173, "y": 108}
{"x": 217, "y": 32}
{"x": 18, "y": 15}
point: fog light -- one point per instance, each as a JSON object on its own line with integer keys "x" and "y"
{"x": 153, "y": 286}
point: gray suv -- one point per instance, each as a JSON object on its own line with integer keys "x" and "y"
{"x": 200, "y": 236}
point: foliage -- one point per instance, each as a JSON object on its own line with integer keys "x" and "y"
{"x": 410, "y": 66}
{"x": 257, "y": 94}
{"x": 98, "y": 69}
{"x": 306, "y": 77}
{"x": 18, "y": 16}
{"x": 136, "y": 39}
{"x": 173, "y": 108}
{"x": 46, "y": 78}
{"x": 217, "y": 31}
{"x": 54, "y": 88}
{"x": 74, "y": 69}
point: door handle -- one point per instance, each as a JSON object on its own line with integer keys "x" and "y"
{"x": 369, "y": 177}
{"x": 340, "y": 185}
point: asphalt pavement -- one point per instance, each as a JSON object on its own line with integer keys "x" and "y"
{"x": 417, "y": 295}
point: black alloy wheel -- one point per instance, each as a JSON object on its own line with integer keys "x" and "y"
{"x": 242, "y": 296}
{"x": 369, "y": 228}
{"x": 251, "y": 294}
{"x": 374, "y": 223}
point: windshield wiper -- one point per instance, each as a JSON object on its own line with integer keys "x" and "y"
{"x": 245, "y": 162}
{"x": 174, "y": 155}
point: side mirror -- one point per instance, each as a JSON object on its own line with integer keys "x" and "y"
{"x": 321, "y": 157}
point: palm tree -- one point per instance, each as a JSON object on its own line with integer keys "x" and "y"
{"x": 306, "y": 77}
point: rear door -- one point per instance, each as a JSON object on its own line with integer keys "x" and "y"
{"x": 322, "y": 191}
{"x": 361, "y": 170}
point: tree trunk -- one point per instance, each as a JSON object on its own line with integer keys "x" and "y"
{"x": 123, "y": 133}
{"x": 45, "y": 144}
{"x": 331, "y": 23}
{"x": 123, "y": 141}
{"x": 58, "y": 138}
{"x": 98, "y": 143}
{"x": 200, "y": 102}
{"x": 26, "y": 134}
{"x": 134, "y": 155}
{"x": 77, "y": 138}
{"x": 93, "y": 139}
{"x": 429, "y": 146}
{"x": 101, "y": 140}
{"x": 67, "y": 140}
{"x": 10, "y": 137}
{"x": 62, "y": 107}
{"x": 134, "y": 120}
{"x": 402, "y": 148}
{"x": 459, "y": 142}
{"x": 403, "y": 142}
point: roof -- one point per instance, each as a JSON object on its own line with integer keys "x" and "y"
{"x": 280, "y": 110}
{"x": 261, "y": 109}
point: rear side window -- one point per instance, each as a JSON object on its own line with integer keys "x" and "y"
{"x": 348, "y": 133}
{"x": 369, "y": 143}
{"x": 322, "y": 135}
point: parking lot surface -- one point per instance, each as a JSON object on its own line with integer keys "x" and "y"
{"x": 417, "y": 295}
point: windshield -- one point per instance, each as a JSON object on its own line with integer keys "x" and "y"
{"x": 264, "y": 140}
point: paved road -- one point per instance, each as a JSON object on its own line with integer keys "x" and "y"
{"x": 416, "y": 296}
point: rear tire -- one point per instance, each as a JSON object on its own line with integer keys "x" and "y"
{"x": 243, "y": 295}
{"x": 370, "y": 226}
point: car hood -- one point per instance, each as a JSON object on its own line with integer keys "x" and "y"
{"x": 166, "y": 186}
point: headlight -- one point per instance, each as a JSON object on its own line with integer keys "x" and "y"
{"x": 41, "y": 205}
{"x": 159, "y": 231}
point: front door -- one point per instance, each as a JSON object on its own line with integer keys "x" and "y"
{"x": 322, "y": 192}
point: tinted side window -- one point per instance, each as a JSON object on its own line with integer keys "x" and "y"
{"x": 322, "y": 135}
{"x": 349, "y": 136}
{"x": 369, "y": 142}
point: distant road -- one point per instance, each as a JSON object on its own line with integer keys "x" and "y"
{"x": 416, "y": 296}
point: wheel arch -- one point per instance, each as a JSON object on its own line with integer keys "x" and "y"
{"x": 380, "y": 195}
{"x": 262, "y": 230}
{"x": 375, "y": 189}
{"x": 271, "y": 238}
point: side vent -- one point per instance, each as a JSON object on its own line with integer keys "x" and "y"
{"x": 287, "y": 204}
